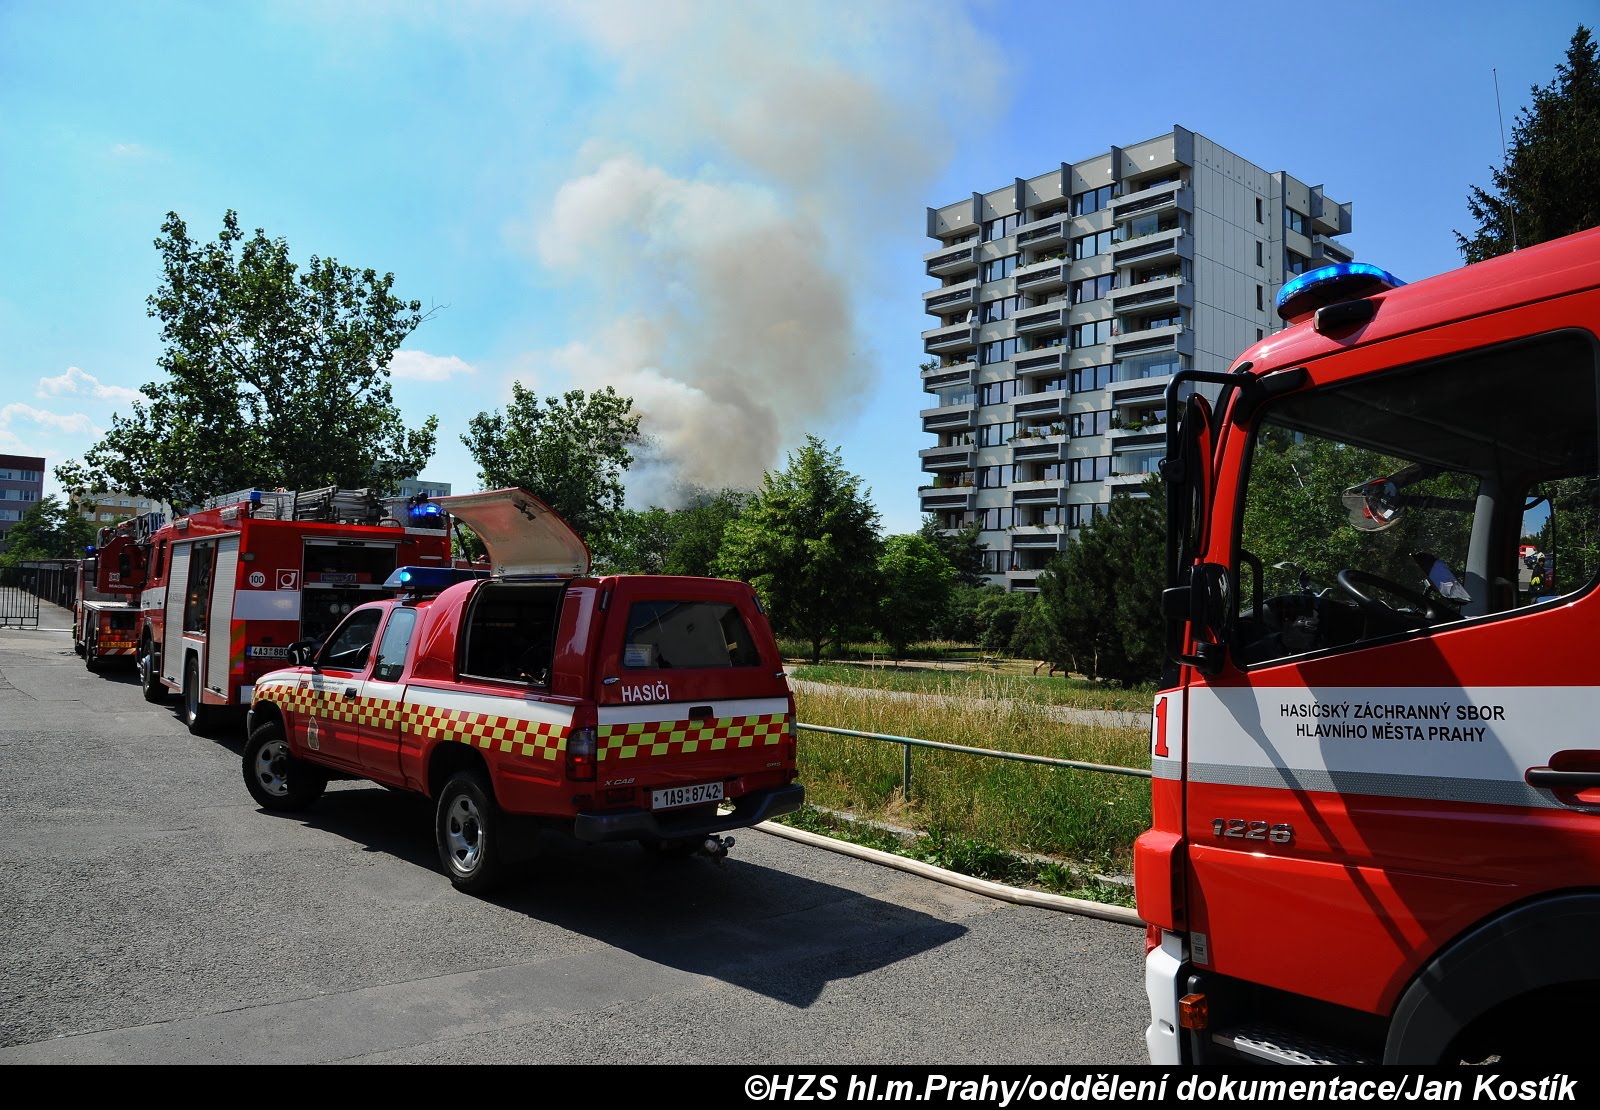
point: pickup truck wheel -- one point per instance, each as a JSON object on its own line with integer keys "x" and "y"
{"x": 276, "y": 779}
{"x": 150, "y": 675}
{"x": 468, "y": 827}
{"x": 196, "y": 714}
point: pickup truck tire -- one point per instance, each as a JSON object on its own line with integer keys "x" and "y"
{"x": 150, "y": 675}
{"x": 468, "y": 828}
{"x": 277, "y": 780}
{"x": 196, "y": 714}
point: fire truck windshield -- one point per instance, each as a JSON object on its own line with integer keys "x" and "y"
{"x": 1394, "y": 503}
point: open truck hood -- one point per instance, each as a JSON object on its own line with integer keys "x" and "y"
{"x": 524, "y": 536}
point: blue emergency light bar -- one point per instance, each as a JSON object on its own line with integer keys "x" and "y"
{"x": 1344, "y": 281}
{"x": 426, "y": 509}
{"x": 430, "y": 579}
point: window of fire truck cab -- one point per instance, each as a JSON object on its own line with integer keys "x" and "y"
{"x": 351, "y": 643}
{"x": 1394, "y": 504}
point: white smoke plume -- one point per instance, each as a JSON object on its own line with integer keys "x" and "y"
{"x": 726, "y": 210}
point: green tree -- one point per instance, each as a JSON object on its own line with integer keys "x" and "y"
{"x": 47, "y": 530}
{"x": 999, "y": 614}
{"x": 808, "y": 542}
{"x": 1546, "y": 188}
{"x": 916, "y": 579}
{"x": 569, "y": 451}
{"x": 275, "y": 376}
{"x": 1103, "y": 595}
{"x": 960, "y": 547}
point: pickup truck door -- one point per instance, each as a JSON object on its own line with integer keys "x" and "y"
{"x": 378, "y": 728}
{"x": 343, "y": 666}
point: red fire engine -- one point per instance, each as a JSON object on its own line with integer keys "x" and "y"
{"x": 222, "y": 593}
{"x": 1375, "y": 794}
{"x": 102, "y": 622}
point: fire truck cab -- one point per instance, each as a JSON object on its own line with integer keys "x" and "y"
{"x": 103, "y": 623}
{"x": 530, "y": 695}
{"x": 1376, "y": 794}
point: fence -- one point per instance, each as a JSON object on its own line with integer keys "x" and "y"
{"x": 22, "y": 587}
{"x": 910, "y": 742}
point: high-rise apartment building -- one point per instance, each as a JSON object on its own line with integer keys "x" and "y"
{"x": 21, "y": 488}
{"x": 1066, "y": 302}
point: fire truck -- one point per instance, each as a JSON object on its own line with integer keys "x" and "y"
{"x": 1376, "y": 796}
{"x": 102, "y": 622}
{"x": 221, "y": 593}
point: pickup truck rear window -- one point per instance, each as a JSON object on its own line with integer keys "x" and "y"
{"x": 663, "y": 634}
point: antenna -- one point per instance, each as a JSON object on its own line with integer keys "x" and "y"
{"x": 1511, "y": 205}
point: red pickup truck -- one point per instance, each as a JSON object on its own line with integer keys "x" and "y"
{"x": 625, "y": 707}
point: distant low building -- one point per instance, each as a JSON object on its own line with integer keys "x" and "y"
{"x": 109, "y": 506}
{"x": 427, "y": 487}
{"x": 21, "y": 487}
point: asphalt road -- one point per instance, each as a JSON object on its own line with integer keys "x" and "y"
{"x": 151, "y": 913}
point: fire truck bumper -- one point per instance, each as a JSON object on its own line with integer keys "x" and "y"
{"x": 642, "y": 824}
{"x": 1164, "y": 971}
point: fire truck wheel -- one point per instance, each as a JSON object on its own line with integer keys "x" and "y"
{"x": 276, "y": 779}
{"x": 150, "y": 675}
{"x": 91, "y": 654}
{"x": 468, "y": 827}
{"x": 196, "y": 714}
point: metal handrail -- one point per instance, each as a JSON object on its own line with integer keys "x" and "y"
{"x": 909, "y": 742}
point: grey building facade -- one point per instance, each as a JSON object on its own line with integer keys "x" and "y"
{"x": 21, "y": 488}
{"x": 1065, "y": 304}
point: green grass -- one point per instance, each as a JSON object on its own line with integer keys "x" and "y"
{"x": 1007, "y": 683}
{"x": 1086, "y": 817}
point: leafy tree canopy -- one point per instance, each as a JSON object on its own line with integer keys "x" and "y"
{"x": 685, "y": 540}
{"x": 808, "y": 542}
{"x": 1546, "y": 189}
{"x": 961, "y": 548}
{"x": 569, "y": 451}
{"x": 916, "y": 580}
{"x": 275, "y": 376}
{"x": 48, "y": 530}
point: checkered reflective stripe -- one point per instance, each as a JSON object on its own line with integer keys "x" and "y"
{"x": 625, "y": 741}
{"x": 486, "y": 730}
{"x": 291, "y": 697}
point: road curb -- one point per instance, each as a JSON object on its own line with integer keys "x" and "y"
{"x": 1018, "y": 895}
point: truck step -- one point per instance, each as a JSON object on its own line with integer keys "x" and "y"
{"x": 1274, "y": 1045}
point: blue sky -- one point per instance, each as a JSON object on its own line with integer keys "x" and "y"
{"x": 716, "y": 207}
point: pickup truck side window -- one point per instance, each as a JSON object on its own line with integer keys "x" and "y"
{"x": 351, "y": 644}
{"x": 511, "y": 631}
{"x": 665, "y": 634}
{"x": 1397, "y": 503}
{"x": 392, "y": 648}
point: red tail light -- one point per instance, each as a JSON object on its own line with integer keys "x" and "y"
{"x": 581, "y": 755}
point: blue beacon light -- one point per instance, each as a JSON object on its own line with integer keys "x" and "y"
{"x": 1325, "y": 285}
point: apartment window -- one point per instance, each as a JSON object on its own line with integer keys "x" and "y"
{"x": 1091, "y": 423}
{"x": 1087, "y": 246}
{"x": 1261, "y": 298}
{"x": 10, "y": 514}
{"x": 999, "y": 310}
{"x": 995, "y": 477}
{"x": 1294, "y": 221}
{"x": 1149, "y": 366}
{"x": 1092, "y": 289}
{"x": 1091, "y": 201}
{"x": 1091, "y": 377}
{"x": 1260, "y": 335}
{"x": 1050, "y": 385}
{"x": 1080, "y": 515}
{"x": 999, "y": 268}
{"x": 1295, "y": 263}
{"x": 1261, "y": 254}
{"x": 994, "y": 435}
{"x": 1094, "y": 469}
{"x": 997, "y": 350}
{"x": 996, "y": 393}
{"x": 1087, "y": 335}
{"x": 1141, "y": 226}
{"x": 1261, "y": 216}
{"x": 1000, "y": 228}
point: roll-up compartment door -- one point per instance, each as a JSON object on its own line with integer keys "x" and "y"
{"x": 219, "y": 641}
{"x": 172, "y": 627}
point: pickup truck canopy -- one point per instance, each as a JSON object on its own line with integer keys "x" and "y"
{"x": 523, "y": 535}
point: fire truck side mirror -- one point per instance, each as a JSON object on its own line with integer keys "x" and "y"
{"x": 1204, "y": 607}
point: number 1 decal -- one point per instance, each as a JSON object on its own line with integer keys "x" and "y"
{"x": 1160, "y": 746}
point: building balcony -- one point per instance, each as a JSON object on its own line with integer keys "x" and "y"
{"x": 1157, "y": 198}
{"x": 1022, "y": 581}
{"x": 1049, "y": 232}
{"x": 951, "y": 299}
{"x": 1156, "y": 247}
{"x": 947, "y": 498}
{"x": 1041, "y": 407}
{"x": 1041, "y": 276}
{"x": 1133, "y": 467}
{"x": 949, "y": 418}
{"x": 1154, "y": 385}
{"x": 951, "y": 339}
{"x": 1172, "y": 291}
{"x": 1053, "y": 361}
{"x": 1326, "y": 252}
{"x": 1040, "y": 537}
{"x": 1046, "y": 491}
{"x": 1154, "y": 336}
{"x": 943, "y": 263}
{"x": 1049, "y": 317}
{"x": 956, "y": 373}
{"x": 1140, "y": 435}
{"x": 958, "y": 457}
{"x": 1051, "y": 448}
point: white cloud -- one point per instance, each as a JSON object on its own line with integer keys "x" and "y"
{"x": 77, "y": 381}
{"x": 420, "y": 366}
{"x": 74, "y": 422}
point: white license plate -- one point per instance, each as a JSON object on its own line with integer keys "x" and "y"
{"x": 262, "y": 651}
{"x": 674, "y": 796}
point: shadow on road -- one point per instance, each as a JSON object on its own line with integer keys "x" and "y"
{"x": 777, "y": 934}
